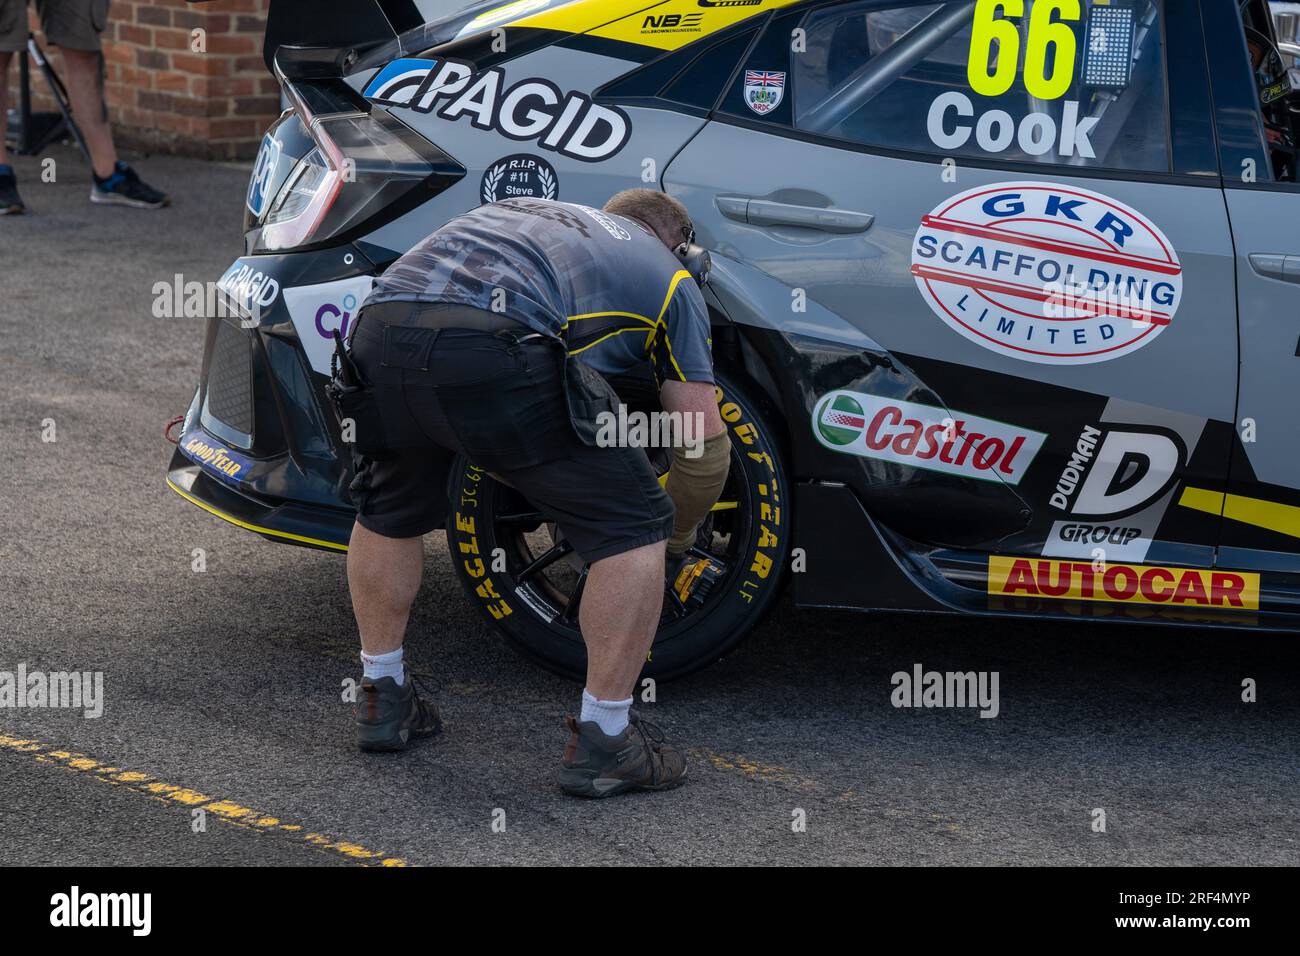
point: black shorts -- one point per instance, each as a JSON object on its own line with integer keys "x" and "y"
{"x": 509, "y": 407}
{"x": 71, "y": 24}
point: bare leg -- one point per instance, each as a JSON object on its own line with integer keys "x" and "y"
{"x": 384, "y": 577}
{"x": 619, "y": 616}
{"x": 81, "y": 68}
{"x": 5, "y": 57}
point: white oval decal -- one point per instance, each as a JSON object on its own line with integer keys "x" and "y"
{"x": 1047, "y": 273}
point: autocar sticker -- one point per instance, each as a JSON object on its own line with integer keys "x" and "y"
{"x": 924, "y": 436}
{"x": 519, "y": 175}
{"x": 1122, "y": 583}
{"x": 1047, "y": 273}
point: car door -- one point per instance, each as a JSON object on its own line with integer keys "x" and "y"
{"x": 1261, "y": 507}
{"x": 988, "y": 190}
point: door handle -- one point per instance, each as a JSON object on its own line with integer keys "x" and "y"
{"x": 765, "y": 212}
{"x": 1275, "y": 266}
{"x": 733, "y": 207}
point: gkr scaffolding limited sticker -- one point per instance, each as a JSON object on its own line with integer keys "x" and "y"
{"x": 1046, "y": 273}
{"x": 924, "y": 436}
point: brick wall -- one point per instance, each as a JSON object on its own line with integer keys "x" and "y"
{"x": 163, "y": 96}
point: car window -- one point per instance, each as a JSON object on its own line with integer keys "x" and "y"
{"x": 1273, "y": 53}
{"x": 1071, "y": 82}
{"x": 1286, "y": 22}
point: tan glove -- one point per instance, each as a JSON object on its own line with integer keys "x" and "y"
{"x": 694, "y": 485}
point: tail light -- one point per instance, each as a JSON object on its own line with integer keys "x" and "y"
{"x": 357, "y": 169}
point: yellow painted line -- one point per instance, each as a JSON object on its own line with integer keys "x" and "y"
{"x": 756, "y": 770}
{"x": 226, "y": 810}
{"x": 252, "y": 527}
{"x": 1284, "y": 519}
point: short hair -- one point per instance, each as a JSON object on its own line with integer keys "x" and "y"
{"x": 660, "y": 211}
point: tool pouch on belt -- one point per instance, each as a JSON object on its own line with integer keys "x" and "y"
{"x": 588, "y": 395}
{"x": 354, "y": 402}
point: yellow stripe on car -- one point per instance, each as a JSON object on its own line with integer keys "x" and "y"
{"x": 668, "y": 25}
{"x": 302, "y": 539}
{"x": 1284, "y": 519}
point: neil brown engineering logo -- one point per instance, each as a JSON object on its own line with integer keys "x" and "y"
{"x": 924, "y": 436}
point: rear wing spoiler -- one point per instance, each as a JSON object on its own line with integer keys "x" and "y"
{"x": 336, "y": 24}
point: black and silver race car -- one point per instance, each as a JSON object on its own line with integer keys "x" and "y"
{"x": 1003, "y": 291}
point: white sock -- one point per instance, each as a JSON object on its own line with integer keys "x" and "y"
{"x": 609, "y": 715}
{"x": 376, "y": 666}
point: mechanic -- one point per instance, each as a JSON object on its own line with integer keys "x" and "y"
{"x": 488, "y": 339}
{"x": 74, "y": 27}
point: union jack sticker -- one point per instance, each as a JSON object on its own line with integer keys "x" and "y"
{"x": 763, "y": 90}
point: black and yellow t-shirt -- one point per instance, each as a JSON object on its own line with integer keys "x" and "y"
{"x": 611, "y": 290}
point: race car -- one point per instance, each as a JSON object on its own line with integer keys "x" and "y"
{"x": 1003, "y": 292}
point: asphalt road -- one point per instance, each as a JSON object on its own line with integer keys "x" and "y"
{"x": 223, "y": 688}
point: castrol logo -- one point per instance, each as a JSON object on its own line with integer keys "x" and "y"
{"x": 924, "y": 436}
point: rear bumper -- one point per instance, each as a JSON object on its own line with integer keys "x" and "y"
{"x": 327, "y": 529}
{"x": 260, "y": 444}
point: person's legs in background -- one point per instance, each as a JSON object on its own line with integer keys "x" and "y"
{"x": 74, "y": 26}
{"x": 5, "y": 57}
{"x": 13, "y": 33}
{"x": 81, "y": 76}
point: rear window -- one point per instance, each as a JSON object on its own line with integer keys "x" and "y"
{"x": 1072, "y": 82}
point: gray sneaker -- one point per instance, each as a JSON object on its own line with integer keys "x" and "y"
{"x": 597, "y": 765}
{"x": 388, "y": 716}
{"x": 125, "y": 188}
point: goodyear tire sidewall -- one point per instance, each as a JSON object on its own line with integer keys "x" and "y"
{"x": 687, "y": 645}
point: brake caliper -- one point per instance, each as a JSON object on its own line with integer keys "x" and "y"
{"x": 695, "y": 579}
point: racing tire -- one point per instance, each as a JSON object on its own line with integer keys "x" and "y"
{"x": 515, "y": 567}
